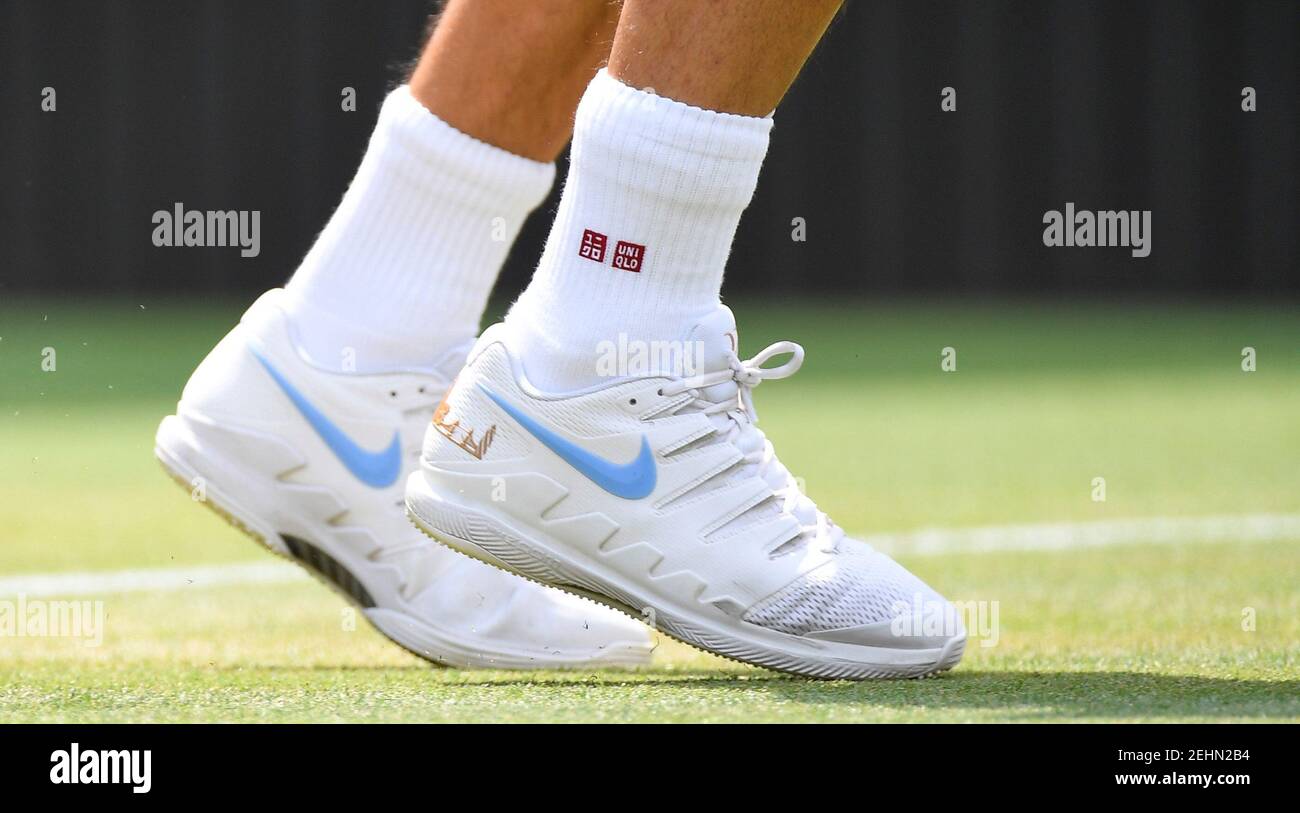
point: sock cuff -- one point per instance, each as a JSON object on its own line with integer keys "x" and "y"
{"x": 669, "y": 150}
{"x": 408, "y": 259}
{"x": 487, "y": 175}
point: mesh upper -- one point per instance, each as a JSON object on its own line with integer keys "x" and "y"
{"x": 859, "y": 586}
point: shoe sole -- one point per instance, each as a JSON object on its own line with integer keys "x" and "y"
{"x": 493, "y": 539}
{"x": 230, "y": 488}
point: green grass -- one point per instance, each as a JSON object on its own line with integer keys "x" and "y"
{"x": 1044, "y": 399}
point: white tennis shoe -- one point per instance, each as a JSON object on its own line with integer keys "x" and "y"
{"x": 311, "y": 463}
{"x": 657, "y": 495}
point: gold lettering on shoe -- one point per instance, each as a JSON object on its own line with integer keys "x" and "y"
{"x": 463, "y": 438}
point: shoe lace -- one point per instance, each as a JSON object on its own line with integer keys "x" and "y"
{"x": 740, "y": 418}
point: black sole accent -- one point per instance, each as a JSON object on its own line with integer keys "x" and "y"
{"x": 328, "y": 568}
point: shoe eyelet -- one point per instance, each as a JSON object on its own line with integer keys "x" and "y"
{"x": 661, "y": 392}
{"x": 392, "y": 393}
{"x": 632, "y": 402}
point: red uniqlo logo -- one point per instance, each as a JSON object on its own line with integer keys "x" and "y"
{"x": 628, "y": 256}
{"x": 592, "y": 246}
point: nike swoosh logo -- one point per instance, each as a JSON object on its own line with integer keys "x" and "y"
{"x": 375, "y": 469}
{"x": 631, "y": 481}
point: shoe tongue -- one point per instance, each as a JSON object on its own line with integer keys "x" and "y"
{"x": 714, "y": 341}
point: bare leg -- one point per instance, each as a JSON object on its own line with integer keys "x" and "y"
{"x": 511, "y": 73}
{"x": 735, "y": 56}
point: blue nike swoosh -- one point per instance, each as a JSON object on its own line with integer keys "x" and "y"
{"x": 631, "y": 481}
{"x": 375, "y": 469}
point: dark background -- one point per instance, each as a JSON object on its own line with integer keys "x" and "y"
{"x": 1111, "y": 105}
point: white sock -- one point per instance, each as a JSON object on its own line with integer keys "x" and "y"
{"x": 653, "y": 197}
{"x": 403, "y": 269}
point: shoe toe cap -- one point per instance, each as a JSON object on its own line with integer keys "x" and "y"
{"x": 863, "y": 598}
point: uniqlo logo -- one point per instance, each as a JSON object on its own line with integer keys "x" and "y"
{"x": 628, "y": 256}
{"x": 592, "y": 246}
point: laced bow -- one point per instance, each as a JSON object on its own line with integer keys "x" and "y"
{"x": 747, "y": 375}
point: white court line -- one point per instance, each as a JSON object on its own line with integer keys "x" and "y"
{"x": 1056, "y": 536}
{"x": 160, "y": 579}
{"x": 1060, "y": 536}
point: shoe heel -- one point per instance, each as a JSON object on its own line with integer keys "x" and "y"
{"x": 473, "y": 534}
{"x": 183, "y": 457}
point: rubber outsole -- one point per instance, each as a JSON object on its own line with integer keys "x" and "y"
{"x": 722, "y": 645}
